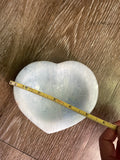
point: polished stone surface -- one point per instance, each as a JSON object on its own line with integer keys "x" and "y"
{"x": 70, "y": 81}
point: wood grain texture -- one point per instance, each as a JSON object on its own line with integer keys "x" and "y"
{"x": 87, "y": 31}
{"x": 8, "y": 152}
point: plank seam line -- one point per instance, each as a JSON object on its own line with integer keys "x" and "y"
{"x": 18, "y": 149}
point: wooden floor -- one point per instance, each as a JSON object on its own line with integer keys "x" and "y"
{"x": 82, "y": 30}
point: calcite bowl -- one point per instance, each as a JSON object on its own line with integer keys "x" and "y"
{"x": 70, "y": 81}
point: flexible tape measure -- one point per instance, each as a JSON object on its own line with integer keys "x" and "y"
{"x": 75, "y": 109}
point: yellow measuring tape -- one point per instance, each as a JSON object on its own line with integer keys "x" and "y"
{"x": 88, "y": 115}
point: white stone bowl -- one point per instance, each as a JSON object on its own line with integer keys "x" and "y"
{"x": 70, "y": 81}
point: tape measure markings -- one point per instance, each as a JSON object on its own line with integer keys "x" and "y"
{"x": 75, "y": 109}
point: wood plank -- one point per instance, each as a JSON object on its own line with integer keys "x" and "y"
{"x": 87, "y": 31}
{"x": 8, "y": 152}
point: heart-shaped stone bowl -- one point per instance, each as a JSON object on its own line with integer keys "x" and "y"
{"x": 69, "y": 81}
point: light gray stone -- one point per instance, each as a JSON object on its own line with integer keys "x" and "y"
{"x": 70, "y": 81}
